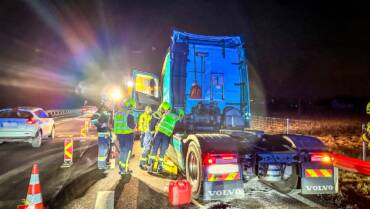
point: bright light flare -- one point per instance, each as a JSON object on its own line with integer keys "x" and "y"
{"x": 130, "y": 83}
{"x": 116, "y": 94}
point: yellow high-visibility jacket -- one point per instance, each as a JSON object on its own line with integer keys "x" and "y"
{"x": 144, "y": 120}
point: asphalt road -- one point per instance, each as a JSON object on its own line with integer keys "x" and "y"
{"x": 17, "y": 159}
{"x": 77, "y": 187}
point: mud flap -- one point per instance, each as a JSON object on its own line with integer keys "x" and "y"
{"x": 221, "y": 190}
{"x": 319, "y": 179}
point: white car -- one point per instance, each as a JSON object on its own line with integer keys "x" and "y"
{"x": 26, "y": 124}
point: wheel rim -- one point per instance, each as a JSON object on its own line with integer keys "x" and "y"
{"x": 193, "y": 169}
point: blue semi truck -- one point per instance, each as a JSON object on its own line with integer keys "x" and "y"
{"x": 216, "y": 150}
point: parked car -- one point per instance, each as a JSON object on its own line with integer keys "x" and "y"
{"x": 26, "y": 124}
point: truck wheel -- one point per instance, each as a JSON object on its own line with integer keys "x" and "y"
{"x": 36, "y": 141}
{"x": 194, "y": 169}
{"x": 288, "y": 184}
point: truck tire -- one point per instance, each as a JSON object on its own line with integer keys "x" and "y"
{"x": 36, "y": 141}
{"x": 287, "y": 185}
{"x": 194, "y": 169}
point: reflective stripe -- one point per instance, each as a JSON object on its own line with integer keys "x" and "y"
{"x": 103, "y": 134}
{"x": 143, "y": 159}
{"x": 152, "y": 157}
{"x": 102, "y": 158}
{"x": 317, "y": 173}
{"x": 34, "y": 179}
{"x": 127, "y": 159}
{"x": 33, "y": 199}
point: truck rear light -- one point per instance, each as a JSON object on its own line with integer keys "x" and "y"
{"x": 223, "y": 168}
{"x": 322, "y": 157}
{"x": 226, "y": 158}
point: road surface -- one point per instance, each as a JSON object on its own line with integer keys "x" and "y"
{"x": 78, "y": 186}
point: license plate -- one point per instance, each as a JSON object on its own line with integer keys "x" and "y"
{"x": 9, "y": 125}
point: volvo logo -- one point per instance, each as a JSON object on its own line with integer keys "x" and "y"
{"x": 226, "y": 192}
{"x": 320, "y": 188}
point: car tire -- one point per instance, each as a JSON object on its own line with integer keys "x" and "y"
{"x": 194, "y": 169}
{"x": 52, "y": 133}
{"x": 37, "y": 140}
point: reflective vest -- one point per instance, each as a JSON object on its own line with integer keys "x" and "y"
{"x": 167, "y": 124}
{"x": 144, "y": 120}
{"x": 120, "y": 123}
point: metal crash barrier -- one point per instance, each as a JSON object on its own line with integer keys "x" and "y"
{"x": 65, "y": 112}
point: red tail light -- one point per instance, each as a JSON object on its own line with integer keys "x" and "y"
{"x": 322, "y": 157}
{"x": 31, "y": 121}
{"x": 226, "y": 158}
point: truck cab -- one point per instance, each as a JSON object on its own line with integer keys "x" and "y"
{"x": 217, "y": 152}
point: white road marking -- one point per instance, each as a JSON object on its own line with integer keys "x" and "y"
{"x": 104, "y": 200}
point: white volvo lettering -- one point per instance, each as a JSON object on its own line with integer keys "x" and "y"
{"x": 320, "y": 188}
{"x": 226, "y": 192}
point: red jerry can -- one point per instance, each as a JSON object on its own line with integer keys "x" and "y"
{"x": 179, "y": 192}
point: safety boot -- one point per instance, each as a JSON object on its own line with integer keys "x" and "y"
{"x": 143, "y": 165}
{"x": 160, "y": 166}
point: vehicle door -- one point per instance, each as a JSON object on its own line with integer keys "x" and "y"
{"x": 145, "y": 90}
{"x": 46, "y": 123}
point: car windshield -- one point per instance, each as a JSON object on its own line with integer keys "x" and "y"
{"x": 15, "y": 114}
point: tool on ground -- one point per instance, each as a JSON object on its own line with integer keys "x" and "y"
{"x": 179, "y": 192}
{"x": 34, "y": 196}
{"x": 68, "y": 153}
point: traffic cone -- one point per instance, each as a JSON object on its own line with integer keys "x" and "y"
{"x": 34, "y": 197}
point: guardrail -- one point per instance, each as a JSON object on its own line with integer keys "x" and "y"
{"x": 63, "y": 113}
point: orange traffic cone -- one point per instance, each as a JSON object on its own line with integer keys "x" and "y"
{"x": 34, "y": 197}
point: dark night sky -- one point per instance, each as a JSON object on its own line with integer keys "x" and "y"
{"x": 296, "y": 49}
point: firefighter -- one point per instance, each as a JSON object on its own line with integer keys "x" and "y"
{"x": 143, "y": 124}
{"x": 102, "y": 120}
{"x": 144, "y": 121}
{"x": 163, "y": 133}
{"x": 124, "y": 124}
